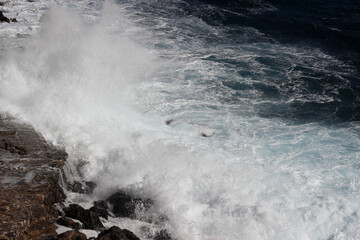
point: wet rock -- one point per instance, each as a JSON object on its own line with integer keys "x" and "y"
{"x": 162, "y": 235}
{"x": 127, "y": 206}
{"x": 89, "y": 187}
{"x": 170, "y": 122}
{"x": 29, "y": 183}
{"x": 84, "y": 188}
{"x": 115, "y": 233}
{"x": 68, "y": 222}
{"x": 3, "y": 18}
{"x": 130, "y": 235}
{"x": 89, "y": 218}
{"x": 100, "y": 207}
{"x": 12, "y": 147}
{"x": 72, "y": 235}
{"x": 77, "y": 187}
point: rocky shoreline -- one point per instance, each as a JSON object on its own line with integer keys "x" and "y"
{"x": 30, "y": 171}
{"x": 32, "y": 199}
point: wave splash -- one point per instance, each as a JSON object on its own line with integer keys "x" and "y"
{"x": 77, "y": 82}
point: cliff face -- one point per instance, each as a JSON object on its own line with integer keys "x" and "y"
{"x": 30, "y": 170}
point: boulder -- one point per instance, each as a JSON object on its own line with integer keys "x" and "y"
{"x": 115, "y": 233}
{"x": 127, "y": 206}
{"x": 72, "y": 235}
{"x": 3, "y": 18}
{"x": 89, "y": 218}
{"x": 100, "y": 207}
{"x": 162, "y": 235}
{"x": 68, "y": 222}
{"x": 84, "y": 187}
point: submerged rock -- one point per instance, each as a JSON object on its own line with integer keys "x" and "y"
{"x": 72, "y": 235}
{"x": 89, "y": 218}
{"x": 115, "y": 233}
{"x": 128, "y": 206}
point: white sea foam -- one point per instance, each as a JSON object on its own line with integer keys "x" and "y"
{"x": 87, "y": 85}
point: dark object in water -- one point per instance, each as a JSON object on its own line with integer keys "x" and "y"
{"x": 89, "y": 218}
{"x": 82, "y": 187}
{"x": 3, "y": 18}
{"x": 72, "y": 235}
{"x": 127, "y": 206}
{"x": 68, "y": 222}
{"x": 115, "y": 233}
{"x": 170, "y": 122}
{"x": 100, "y": 207}
{"x": 162, "y": 235}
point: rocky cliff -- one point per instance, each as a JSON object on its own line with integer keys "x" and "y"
{"x": 30, "y": 171}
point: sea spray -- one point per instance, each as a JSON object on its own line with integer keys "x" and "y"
{"x": 104, "y": 88}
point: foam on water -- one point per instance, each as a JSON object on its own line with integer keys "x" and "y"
{"x": 86, "y": 84}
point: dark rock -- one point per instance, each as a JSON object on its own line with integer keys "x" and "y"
{"x": 68, "y": 222}
{"x": 72, "y": 235}
{"x": 89, "y": 218}
{"x": 100, "y": 207}
{"x": 85, "y": 187}
{"x": 162, "y": 235}
{"x": 170, "y": 122}
{"x": 3, "y": 18}
{"x": 115, "y": 233}
{"x": 12, "y": 147}
{"x": 130, "y": 235}
{"x": 204, "y": 135}
{"x": 89, "y": 187}
{"x": 27, "y": 209}
{"x": 77, "y": 187}
{"x": 127, "y": 206}
{"x": 13, "y": 20}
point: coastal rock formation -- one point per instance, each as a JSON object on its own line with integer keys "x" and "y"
{"x": 68, "y": 222}
{"x": 5, "y": 19}
{"x": 89, "y": 218}
{"x": 115, "y": 233}
{"x": 100, "y": 207}
{"x": 72, "y": 235}
{"x": 128, "y": 206}
{"x": 30, "y": 170}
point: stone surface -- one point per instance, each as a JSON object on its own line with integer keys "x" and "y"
{"x": 3, "y": 18}
{"x": 68, "y": 222}
{"x": 115, "y": 233}
{"x": 82, "y": 187}
{"x": 30, "y": 169}
{"x": 100, "y": 207}
{"x": 72, "y": 235}
{"x": 162, "y": 235}
{"x": 89, "y": 218}
{"x": 127, "y": 206}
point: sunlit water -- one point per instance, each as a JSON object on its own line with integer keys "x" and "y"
{"x": 281, "y": 156}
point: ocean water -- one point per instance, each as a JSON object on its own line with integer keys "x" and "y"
{"x": 262, "y": 101}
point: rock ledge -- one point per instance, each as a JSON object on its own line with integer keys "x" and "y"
{"x": 30, "y": 171}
